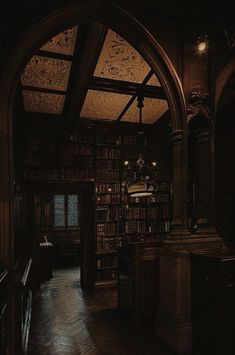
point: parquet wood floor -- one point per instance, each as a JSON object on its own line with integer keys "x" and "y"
{"x": 69, "y": 321}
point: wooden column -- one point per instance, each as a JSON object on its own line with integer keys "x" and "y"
{"x": 204, "y": 181}
{"x": 179, "y": 223}
{"x": 173, "y": 321}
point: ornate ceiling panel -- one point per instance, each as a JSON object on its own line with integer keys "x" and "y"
{"x": 153, "y": 81}
{"x": 103, "y": 105}
{"x": 120, "y": 61}
{"x": 46, "y": 73}
{"x": 43, "y": 102}
{"x": 153, "y": 109}
{"x": 63, "y": 43}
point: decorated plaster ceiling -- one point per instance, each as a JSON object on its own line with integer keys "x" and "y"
{"x": 153, "y": 81}
{"x": 48, "y": 73}
{"x": 103, "y": 105}
{"x": 62, "y": 43}
{"x": 153, "y": 109}
{"x": 120, "y": 61}
{"x": 43, "y": 102}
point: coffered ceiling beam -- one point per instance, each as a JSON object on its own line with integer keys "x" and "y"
{"x": 127, "y": 88}
{"x": 44, "y": 90}
{"x": 87, "y": 51}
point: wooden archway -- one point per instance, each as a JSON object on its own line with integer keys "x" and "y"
{"x": 112, "y": 16}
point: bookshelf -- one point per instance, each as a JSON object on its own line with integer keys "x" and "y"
{"x": 95, "y": 152}
{"x": 108, "y": 206}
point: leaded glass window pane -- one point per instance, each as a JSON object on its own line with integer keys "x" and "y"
{"x": 72, "y": 210}
{"x": 59, "y": 210}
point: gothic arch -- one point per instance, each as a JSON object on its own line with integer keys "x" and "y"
{"x": 112, "y": 16}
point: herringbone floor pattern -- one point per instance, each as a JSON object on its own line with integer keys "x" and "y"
{"x": 68, "y": 321}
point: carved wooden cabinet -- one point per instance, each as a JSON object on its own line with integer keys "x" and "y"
{"x": 213, "y": 303}
{"x": 138, "y": 279}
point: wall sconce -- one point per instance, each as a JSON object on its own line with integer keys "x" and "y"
{"x": 202, "y": 43}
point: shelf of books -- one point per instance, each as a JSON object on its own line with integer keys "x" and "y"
{"x": 147, "y": 218}
{"x": 96, "y": 152}
{"x": 108, "y": 208}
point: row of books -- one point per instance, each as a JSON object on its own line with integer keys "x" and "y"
{"x": 107, "y": 152}
{"x": 106, "y": 229}
{"x": 107, "y": 188}
{"x": 108, "y": 213}
{"x": 107, "y": 164}
{"x": 106, "y": 243}
{"x": 105, "y": 175}
{"x": 78, "y": 149}
{"x": 158, "y": 211}
{"x": 158, "y": 226}
{"x": 135, "y": 212}
{"x": 79, "y": 173}
{"x": 133, "y": 226}
{"x": 108, "y": 199}
{"x": 108, "y": 139}
{"x": 82, "y": 136}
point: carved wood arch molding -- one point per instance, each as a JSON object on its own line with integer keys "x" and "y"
{"x": 199, "y": 108}
{"x": 114, "y": 17}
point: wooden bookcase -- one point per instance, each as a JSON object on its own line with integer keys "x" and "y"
{"x": 108, "y": 205}
{"x": 96, "y": 151}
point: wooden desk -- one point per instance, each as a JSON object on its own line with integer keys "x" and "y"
{"x": 138, "y": 279}
{"x": 45, "y": 261}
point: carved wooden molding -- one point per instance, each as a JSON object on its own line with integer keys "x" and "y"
{"x": 199, "y": 104}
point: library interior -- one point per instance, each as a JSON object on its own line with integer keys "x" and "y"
{"x": 117, "y": 183}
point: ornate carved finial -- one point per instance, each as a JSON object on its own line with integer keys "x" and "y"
{"x": 198, "y": 103}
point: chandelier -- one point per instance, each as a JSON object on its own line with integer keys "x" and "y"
{"x": 140, "y": 176}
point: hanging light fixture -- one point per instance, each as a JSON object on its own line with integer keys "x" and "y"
{"x": 137, "y": 176}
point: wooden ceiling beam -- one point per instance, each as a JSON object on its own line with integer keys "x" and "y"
{"x": 43, "y": 90}
{"x": 87, "y": 51}
{"x": 127, "y": 88}
{"x": 54, "y": 55}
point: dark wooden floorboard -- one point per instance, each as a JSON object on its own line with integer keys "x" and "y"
{"x": 69, "y": 321}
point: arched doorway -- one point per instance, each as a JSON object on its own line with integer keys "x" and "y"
{"x": 120, "y": 21}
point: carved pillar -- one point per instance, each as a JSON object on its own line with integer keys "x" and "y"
{"x": 173, "y": 321}
{"x": 204, "y": 180}
{"x": 179, "y": 227}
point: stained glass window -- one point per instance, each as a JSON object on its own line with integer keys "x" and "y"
{"x": 59, "y": 210}
{"x": 66, "y": 211}
{"x": 72, "y": 210}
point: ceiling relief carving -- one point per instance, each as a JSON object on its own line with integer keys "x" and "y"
{"x": 46, "y": 73}
{"x": 103, "y": 105}
{"x": 43, "y": 102}
{"x": 62, "y": 43}
{"x": 153, "y": 109}
{"x": 120, "y": 61}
